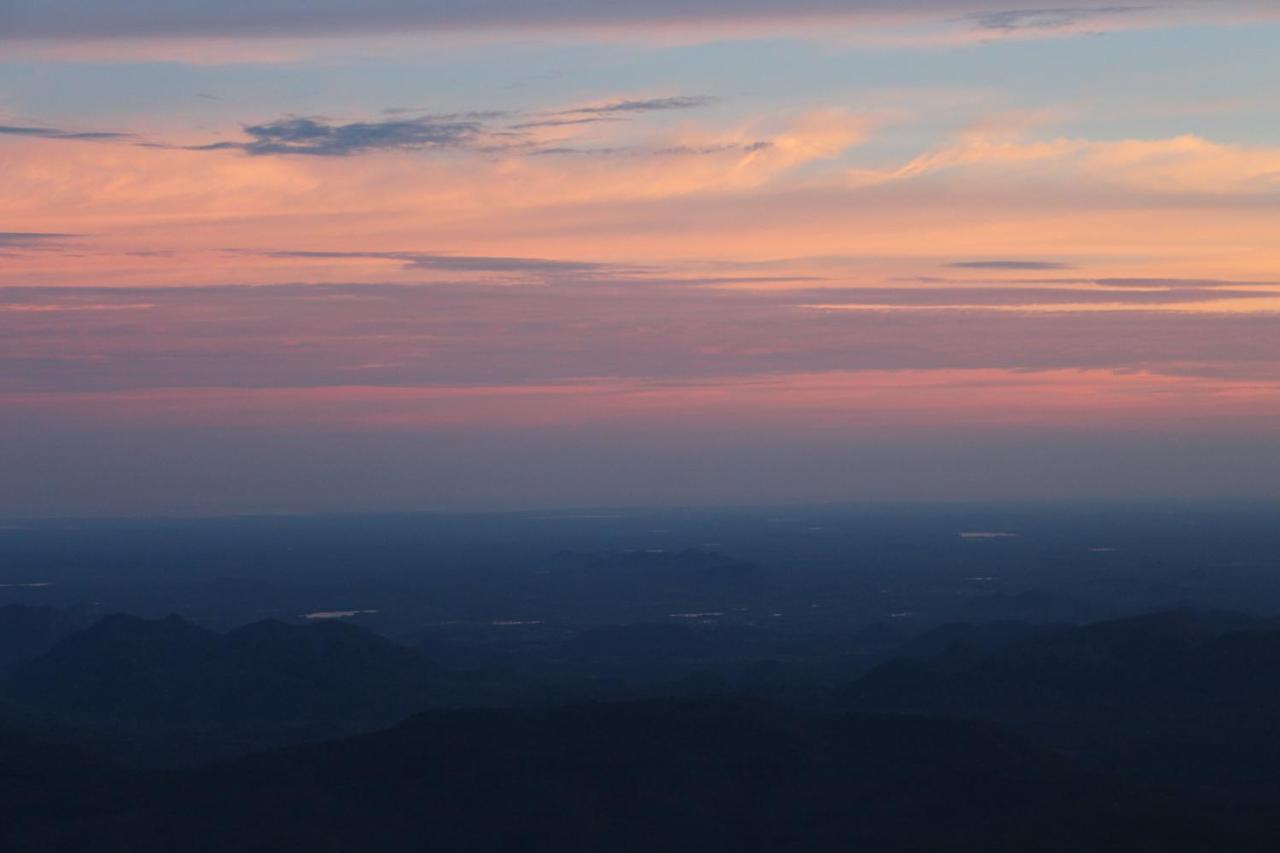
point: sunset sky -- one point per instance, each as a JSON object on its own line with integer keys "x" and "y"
{"x": 289, "y": 256}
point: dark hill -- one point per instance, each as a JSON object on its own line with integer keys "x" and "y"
{"x": 1187, "y": 697}
{"x": 27, "y": 632}
{"x": 658, "y": 775}
{"x": 283, "y": 682}
{"x": 1185, "y": 657}
{"x": 126, "y": 669}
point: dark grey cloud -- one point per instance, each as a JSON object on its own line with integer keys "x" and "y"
{"x": 112, "y": 18}
{"x": 60, "y": 133}
{"x": 1175, "y": 283}
{"x": 461, "y": 263}
{"x": 1014, "y": 20}
{"x": 646, "y": 105}
{"x": 27, "y": 239}
{"x": 1017, "y": 297}
{"x": 1133, "y": 283}
{"x": 13, "y": 242}
{"x": 326, "y": 137}
{"x": 616, "y": 111}
{"x": 323, "y": 137}
{"x": 1009, "y": 265}
{"x": 561, "y": 122}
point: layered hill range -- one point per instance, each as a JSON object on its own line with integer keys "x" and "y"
{"x": 1150, "y": 733}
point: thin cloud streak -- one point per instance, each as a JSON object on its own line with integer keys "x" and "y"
{"x": 457, "y": 263}
{"x": 1152, "y": 283}
{"x": 60, "y": 133}
{"x": 476, "y": 334}
{"x": 32, "y": 239}
{"x": 1020, "y": 20}
{"x": 644, "y": 105}
{"x": 60, "y": 19}
{"x": 475, "y": 130}
{"x": 1009, "y": 265}
{"x": 319, "y": 137}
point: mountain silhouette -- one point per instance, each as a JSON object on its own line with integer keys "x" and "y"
{"x": 284, "y": 682}
{"x": 27, "y": 632}
{"x": 706, "y": 775}
{"x": 1187, "y": 697}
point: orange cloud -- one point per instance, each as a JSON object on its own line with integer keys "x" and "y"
{"x": 685, "y": 198}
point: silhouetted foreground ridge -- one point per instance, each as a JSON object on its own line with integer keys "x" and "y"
{"x": 705, "y": 775}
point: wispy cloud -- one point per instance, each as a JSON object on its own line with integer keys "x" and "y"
{"x": 14, "y": 242}
{"x": 25, "y": 239}
{"x": 458, "y": 263}
{"x": 560, "y": 122}
{"x": 598, "y": 323}
{"x": 668, "y": 151}
{"x": 274, "y": 18}
{"x": 1177, "y": 283}
{"x": 321, "y": 137}
{"x": 616, "y": 110}
{"x": 644, "y": 105}
{"x": 326, "y": 137}
{"x": 1019, "y": 20}
{"x": 1009, "y": 265}
{"x": 1181, "y": 284}
{"x": 60, "y": 133}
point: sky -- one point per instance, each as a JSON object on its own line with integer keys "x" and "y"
{"x": 299, "y": 256}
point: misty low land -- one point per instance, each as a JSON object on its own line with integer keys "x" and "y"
{"x": 1073, "y": 677}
